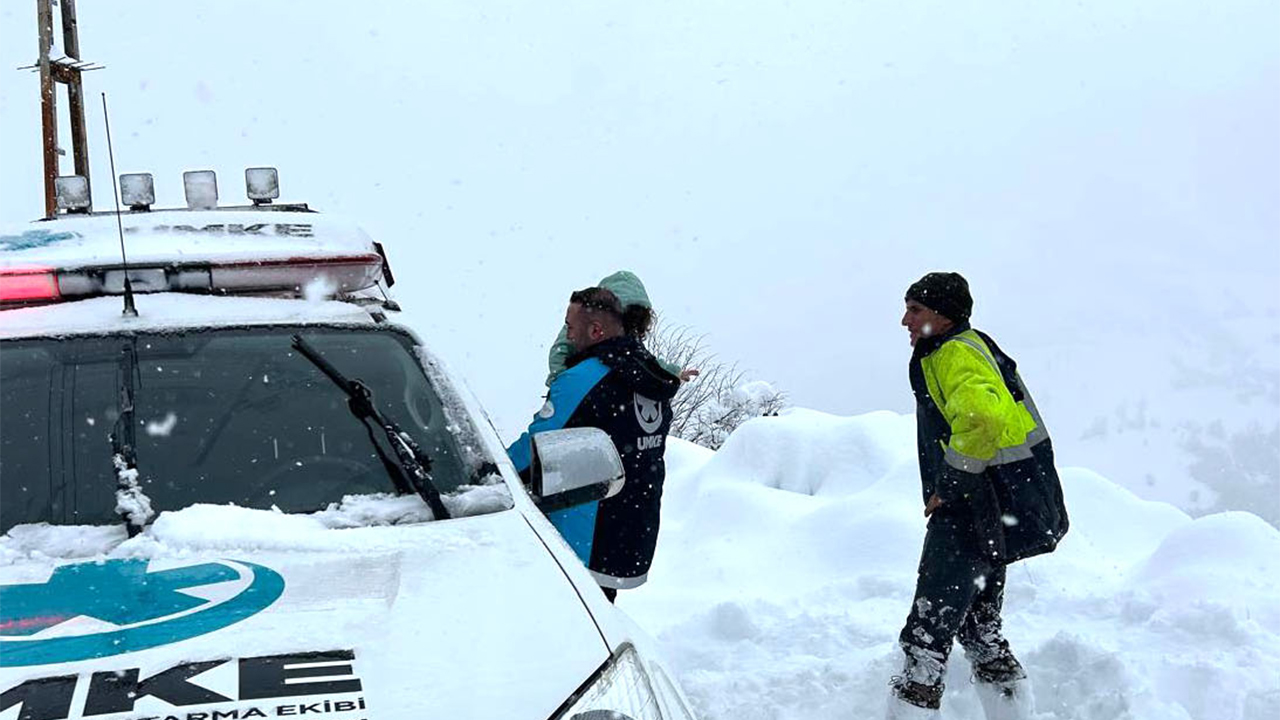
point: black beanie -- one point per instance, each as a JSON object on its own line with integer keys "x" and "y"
{"x": 945, "y": 293}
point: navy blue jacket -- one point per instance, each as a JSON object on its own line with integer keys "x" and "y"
{"x": 619, "y": 387}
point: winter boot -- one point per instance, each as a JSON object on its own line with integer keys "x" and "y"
{"x": 1003, "y": 689}
{"x": 909, "y": 700}
{"x": 1006, "y": 701}
{"x": 1003, "y": 668}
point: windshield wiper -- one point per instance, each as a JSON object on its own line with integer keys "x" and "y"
{"x": 411, "y": 462}
{"x": 132, "y": 505}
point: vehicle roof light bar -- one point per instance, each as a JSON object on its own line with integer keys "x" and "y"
{"x": 26, "y": 285}
{"x": 201, "y": 189}
{"x": 138, "y": 191}
{"x": 262, "y": 184}
{"x": 72, "y": 193}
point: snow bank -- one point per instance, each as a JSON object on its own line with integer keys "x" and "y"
{"x": 786, "y": 565}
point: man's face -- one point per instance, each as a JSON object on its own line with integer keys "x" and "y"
{"x": 581, "y": 331}
{"x": 921, "y": 322}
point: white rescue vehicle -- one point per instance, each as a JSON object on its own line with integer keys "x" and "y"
{"x": 233, "y": 487}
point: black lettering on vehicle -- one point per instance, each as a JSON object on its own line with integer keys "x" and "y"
{"x": 42, "y": 699}
{"x": 294, "y": 229}
{"x": 265, "y": 677}
{"x": 114, "y": 692}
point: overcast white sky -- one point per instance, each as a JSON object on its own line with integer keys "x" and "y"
{"x": 1106, "y": 173}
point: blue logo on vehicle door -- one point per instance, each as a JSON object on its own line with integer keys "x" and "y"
{"x": 96, "y": 609}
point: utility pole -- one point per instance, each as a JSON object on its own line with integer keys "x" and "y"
{"x": 48, "y": 106}
{"x": 67, "y": 69}
{"x": 75, "y": 89}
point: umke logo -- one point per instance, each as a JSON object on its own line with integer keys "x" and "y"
{"x": 92, "y": 610}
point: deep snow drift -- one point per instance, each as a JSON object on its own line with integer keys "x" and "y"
{"x": 786, "y": 566}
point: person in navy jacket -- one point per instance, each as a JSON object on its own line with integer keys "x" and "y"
{"x": 613, "y": 383}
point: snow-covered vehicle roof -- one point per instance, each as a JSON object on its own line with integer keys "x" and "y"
{"x": 234, "y": 251}
{"x": 176, "y": 236}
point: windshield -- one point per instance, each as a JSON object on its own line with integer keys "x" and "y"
{"x": 221, "y": 416}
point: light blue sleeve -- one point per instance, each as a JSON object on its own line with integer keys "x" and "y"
{"x": 577, "y": 525}
{"x": 564, "y": 396}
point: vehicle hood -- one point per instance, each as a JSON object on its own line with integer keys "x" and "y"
{"x": 232, "y": 614}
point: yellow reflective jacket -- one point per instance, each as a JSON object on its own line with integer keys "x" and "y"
{"x": 983, "y": 448}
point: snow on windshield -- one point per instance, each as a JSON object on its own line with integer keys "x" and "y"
{"x": 223, "y": 527}
{"x": 132, "y": 503}
{"x": 235, "y": 415}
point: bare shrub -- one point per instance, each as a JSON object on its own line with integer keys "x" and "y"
{"x": 710, "y": 407}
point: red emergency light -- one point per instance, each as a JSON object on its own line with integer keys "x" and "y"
{"x": 28, "y": 284}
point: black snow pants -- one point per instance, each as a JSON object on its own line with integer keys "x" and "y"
{"x": 959, "y": 594}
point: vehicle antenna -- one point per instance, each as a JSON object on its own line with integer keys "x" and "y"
{"x": 129, "y": 309}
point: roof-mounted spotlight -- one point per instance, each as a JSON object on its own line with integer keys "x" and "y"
{"x": 72, "y": 193}
{"x": 201, "y": 188}
{"x": 138, "y": 191}
{"x": 262, "y": 184}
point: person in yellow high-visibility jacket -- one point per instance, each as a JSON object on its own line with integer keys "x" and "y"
{"x": 990, "y": 491}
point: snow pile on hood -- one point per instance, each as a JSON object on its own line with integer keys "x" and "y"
{"x": 228, "y": 527}
{"x": 786, "y": 566}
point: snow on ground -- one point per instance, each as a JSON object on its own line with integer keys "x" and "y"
{"x": 786, "y": 566}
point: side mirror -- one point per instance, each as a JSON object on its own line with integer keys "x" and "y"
{"x": 574, "y": 466}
